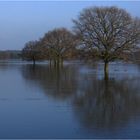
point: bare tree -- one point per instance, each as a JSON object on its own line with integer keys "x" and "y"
{"x": 60, "y": 44}
{"x": 33, "y": 51}
{"x": 109, "y": 31}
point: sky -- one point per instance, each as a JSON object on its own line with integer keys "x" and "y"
{"x": 23, "y": 21}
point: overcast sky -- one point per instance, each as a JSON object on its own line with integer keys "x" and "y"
{"x": 21, "y": 22}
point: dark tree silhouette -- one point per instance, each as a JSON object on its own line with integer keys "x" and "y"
{"x": 60, "y": 44}
{"x": 33, "y": 51}
{"x": 109, "y": 32}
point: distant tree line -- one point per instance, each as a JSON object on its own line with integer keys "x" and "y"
{"x": 101, "y": 33}
{"x": 10, "y": 54}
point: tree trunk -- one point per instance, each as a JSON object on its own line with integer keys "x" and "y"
{"x": 61, "y": 61}
{"x": 33, "y": 61}
{"x": 50, "y": 62}
{"x": 54, "y": 62}
{"x": 106, "y": 70}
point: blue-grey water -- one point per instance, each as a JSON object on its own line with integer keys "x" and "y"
{"x": 73, "y": 101}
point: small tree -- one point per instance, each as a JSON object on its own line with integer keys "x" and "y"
{"x": 59, "y": 43}
{"x": 33, "y": 51}
{"x": 109, "y": 31}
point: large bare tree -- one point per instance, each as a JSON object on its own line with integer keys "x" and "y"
{"x": 109, "y": 32}
{"x": 60, "y": 44}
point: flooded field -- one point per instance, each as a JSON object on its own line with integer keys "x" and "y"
{"x": 73, "y": 101}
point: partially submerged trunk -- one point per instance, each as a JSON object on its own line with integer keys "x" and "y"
{"x": 58, "y": 61}
{"x": 34, "y": 61}
{"x": 106, "y": 70}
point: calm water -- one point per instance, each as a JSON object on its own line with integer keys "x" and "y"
{"x": 73, "y": 101}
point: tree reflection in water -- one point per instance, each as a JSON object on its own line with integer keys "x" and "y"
{"x": 58, "y": 82}
{"x": 107, "y": 103}
{"x": 97, "y": 103}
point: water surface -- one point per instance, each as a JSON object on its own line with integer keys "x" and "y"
{"x": 73, "y": 101}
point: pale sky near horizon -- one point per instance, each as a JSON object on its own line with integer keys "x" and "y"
{"x": 22, "y": 21}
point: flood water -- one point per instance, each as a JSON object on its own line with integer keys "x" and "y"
{"x": 73, "y": 101}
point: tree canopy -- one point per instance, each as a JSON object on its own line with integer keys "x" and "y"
{"x": 60, "y": 43}
{"x": 109, "y": 31}
{"x": 106, "y": 33}
{"x": 33, "y": 51}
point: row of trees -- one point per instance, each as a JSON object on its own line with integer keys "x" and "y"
{"x": 106, "y": 33}
{"x": 56, "y": 45}
{"x": 9, "y": 54}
